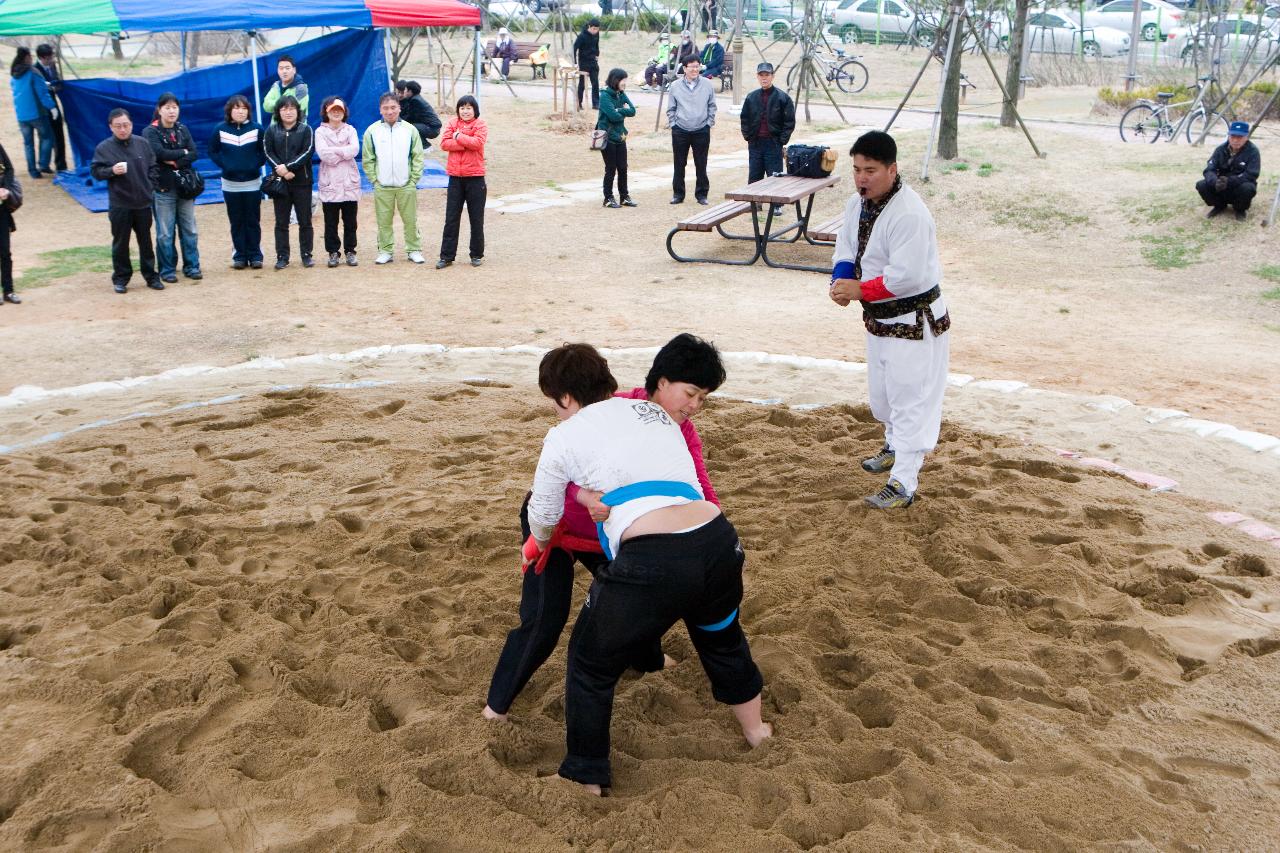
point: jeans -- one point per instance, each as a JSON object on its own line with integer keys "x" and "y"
{"x": 244, "y": 210}
{"x": 681, "y": 142}
{"x": 178, "y": 215}
{"x": 764, "y": 158}
{"x": 298, "y": 200}
{"x": 594, "y": 74}
{"x": 654, "y": 582}
{"x": 472, "y": 192}
{"x": 138, "y": 223}
{"x": 388, "y": 200}
{"x": 332, "y": 211}
{"x": 615, "y": 161}
{"x": 29, "y": 128}
{"x": 1238, "y": 194}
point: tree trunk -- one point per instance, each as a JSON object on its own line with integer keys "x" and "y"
{"x": 1013, "y": 74}
{"x": 949, "y": 130}
{"x": 116, "y": 50}
{"x": 193, "y": 50}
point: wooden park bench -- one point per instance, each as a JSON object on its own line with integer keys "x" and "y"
{"x": 827, "y": 232}
{"x": 713, "y": 219}
{"x": 524, "y": 49}
{"x": 726, "y": 72}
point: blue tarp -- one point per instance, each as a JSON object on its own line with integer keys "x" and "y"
{"x": 349, "y": 63}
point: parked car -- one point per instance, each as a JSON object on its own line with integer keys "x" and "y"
{"x": 1158, "y": 17}
{"x": 1059, "y": 32}
{"x": 508, "y": 10}
{"x": 873, "y": 21}
{"x": 1237, "y": 32}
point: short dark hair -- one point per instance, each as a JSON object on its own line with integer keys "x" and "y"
{"x": 594, "y": 22}
{"x": 44, "y": 49}
{"x": 236, "y": 101}
{"x": 413, "y": 87}
{"x": 116, "y": 113}
{"x": 615, "y": 77}
{"x": 686, "y": 358}
{"x": 876, "y": 145}
{"x": 165, "y": 98}
{"x": 693, "y": 57}
{"x": 284, "y": 57}
{"x": 468, "y": 99}
{"x": 578, "y": 370}
{"x": 20, "y": 59}
{"x": 288, "y": 101}
{"x": 387, "y": 96}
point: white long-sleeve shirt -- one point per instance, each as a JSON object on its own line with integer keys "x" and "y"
{"x": 606, "y": 446}
{"x": 903, "y": 248}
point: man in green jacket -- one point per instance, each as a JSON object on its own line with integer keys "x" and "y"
{"x": 290, "y": 83}
{"x": 393, "y": 160}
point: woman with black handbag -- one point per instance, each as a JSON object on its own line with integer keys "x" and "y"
{"x": 289, "y": 144}
{"x": 10, "y": 200}
{"x": 236, "y": 147}
{"x": 175, "y": 214}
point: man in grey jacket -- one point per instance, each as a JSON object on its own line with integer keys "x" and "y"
{"x": 691, "y": 112}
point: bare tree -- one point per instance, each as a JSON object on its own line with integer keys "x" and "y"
{"x": 116, "y": 50}
{"x": 402, "y": 42}
{"x": 949, "y": 129}
{"x": 1013, "y": 73}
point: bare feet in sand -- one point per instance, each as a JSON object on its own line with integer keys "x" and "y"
{"x": 668, "y": 661}
{"x": 593, "y": 790}
{"x": 753, "y": 728}
{"x": 490, "y": 714}
{"x": 758, "y": 736}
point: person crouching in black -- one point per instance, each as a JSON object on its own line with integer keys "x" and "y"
{"x": 1231, "y": 175}
{"x": 415, "y": 110}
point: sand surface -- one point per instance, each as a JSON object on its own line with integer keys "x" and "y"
{"x": 269, "y": 624}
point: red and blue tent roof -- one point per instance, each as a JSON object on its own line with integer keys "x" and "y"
{"x": 54, "y": 17}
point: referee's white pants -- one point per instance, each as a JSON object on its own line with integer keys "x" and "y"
{"x": 906, "y": 381}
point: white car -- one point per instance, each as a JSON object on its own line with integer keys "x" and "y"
{"x": 872, "y": 21}
{"x": 1158, "y": 17}
{"x": 1184, "y": 42}
{"x": 1059, "y": 32}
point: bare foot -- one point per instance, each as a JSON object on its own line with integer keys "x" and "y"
{"x": 753, "y": 728}
{"x": 758, "y": 736}
{"x": 668, "y": 661}
{"x": 593, "y": 790}
{"x": 490, "y": 714}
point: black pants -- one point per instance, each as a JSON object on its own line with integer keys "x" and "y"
{"x": 654, "y": 582}
{"x": 6, "y": 255}
{"x": 594, "y": 74}
{"x": 681, "y": 142}
{"x": 764, "y": 157}
{"x": 347, "y": 210}
{"x": 1238, "y": 194}
{"x": 471, "y": 192}
{"x": 59, "y": 142}
{"x": 615, "y": 162}
{"x": 138, "y": 223}
{"x": 244, "y": 212}
{"x": 298, "y": 200}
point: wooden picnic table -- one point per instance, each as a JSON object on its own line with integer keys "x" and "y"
{"x": 779, "y": 190}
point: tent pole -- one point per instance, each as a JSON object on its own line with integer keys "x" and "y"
{"x": 386, "y": 52}
{"x": 475, "y": 76}
{"x": 257, "y": 93}
{"x": 182, "y": 43}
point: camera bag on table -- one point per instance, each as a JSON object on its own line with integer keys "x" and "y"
{"x": 810, "y": 161}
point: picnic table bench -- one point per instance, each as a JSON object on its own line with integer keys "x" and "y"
{"x": 827, "y": 232}
{"x": 524, "y": 49}
{"x": 713, "y": 219}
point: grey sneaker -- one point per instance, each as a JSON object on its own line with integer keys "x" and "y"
{"x": 881, "y": 462}
{"x": 892, "y": 496}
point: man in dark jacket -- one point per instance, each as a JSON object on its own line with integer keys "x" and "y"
{"x": 124, "y": 161}
{"x": 416, "y": 111}
{"x": 48, "y": 68}
{"x": 586, "y": 55}
{"x": 768, "y": 118}
{"x": 1231, "y": 175}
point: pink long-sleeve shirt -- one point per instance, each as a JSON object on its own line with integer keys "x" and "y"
{"x": 577, "y": 520}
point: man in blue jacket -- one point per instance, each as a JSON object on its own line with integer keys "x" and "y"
{"x": 47, "y": 65}
{"x": 1231, "y": 175}
{"x": 712, "y": 55}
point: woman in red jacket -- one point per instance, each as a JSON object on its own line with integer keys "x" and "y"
{"x": 464, "y": 139}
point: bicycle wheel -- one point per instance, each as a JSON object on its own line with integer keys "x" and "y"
{"x": 792, "y": 76}
{"x": 1139, "y": 124}
{"x": 1217, "y": 128}
{"x": 852, "y": 77}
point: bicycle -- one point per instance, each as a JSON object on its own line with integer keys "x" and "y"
{"x": 1147, "y": 121}
{"x": 847, "y": 72}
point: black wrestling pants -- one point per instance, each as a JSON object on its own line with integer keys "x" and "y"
{"x": 653, "y": 583}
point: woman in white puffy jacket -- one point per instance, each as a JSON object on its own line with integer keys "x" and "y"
{"x": 337, "y": 144}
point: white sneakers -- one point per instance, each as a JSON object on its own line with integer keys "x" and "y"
{"x": 383, "y": 258}
{"x": 417, "y": 258}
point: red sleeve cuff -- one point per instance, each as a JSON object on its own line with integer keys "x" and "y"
{"x": 873, "y": 290}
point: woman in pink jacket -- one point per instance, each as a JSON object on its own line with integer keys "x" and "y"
{"x": 464, "y": 139}
{"x": 337, "y": 144}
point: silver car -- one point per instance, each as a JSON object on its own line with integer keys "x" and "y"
{"x": 1058, "y": 32}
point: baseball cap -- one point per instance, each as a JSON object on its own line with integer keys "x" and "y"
{"x": 713, "y": 34}
{"x": 764, "y": 68}
{"x": 503, "y": 31}
{"x": 1238, "y": 128}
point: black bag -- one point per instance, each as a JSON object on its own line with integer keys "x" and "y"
{"x": 805, "y": 161}
{"x": 188, "y": 183}
{"x": 273, "y": 186}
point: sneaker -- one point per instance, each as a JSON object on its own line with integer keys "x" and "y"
{"x": 627, "y": 202}
{"x": 351, "y": 260}
{"x": 703, "y": 200}
{"x": 1214, "y": 211}
{"x": 281, "y": 263}
{"x": 255, "y": 265}
{"x": 308, "y": 261}
{"x": 442, "y": 263}
{"x": 156, "y": 285}
{"x": 677, "y": 199}
{"x": 194, "y": 275}
{"x": 120, "y": 288}
{"x": 892, "y": 496}
{"x": 169, "y": 278}
{"x": 417, "y": 258}
{"x": 238, "y": 265}
{"x": 1240, "y": 215}
{"x": 383, "y": 258}
{"x": 333, "y": 259}
{"x": 609, "y": 202}
{"x": 475, "y": 262}
{"x": 881, "y": 462}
